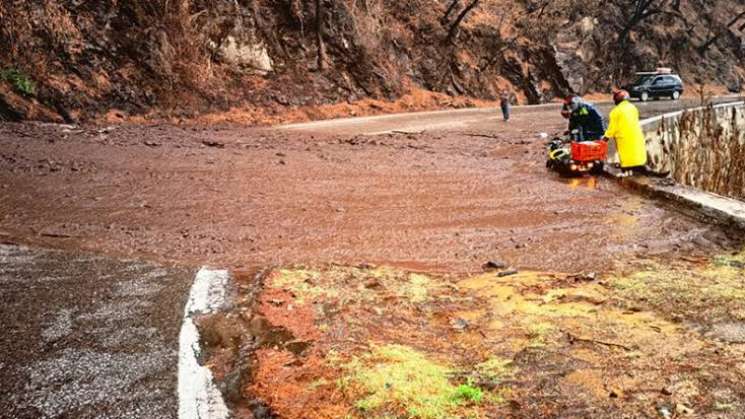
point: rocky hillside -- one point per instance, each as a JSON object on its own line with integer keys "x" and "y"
{"x": 82, "y": 60}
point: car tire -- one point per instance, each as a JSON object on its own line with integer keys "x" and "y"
{"x": 644, "y": 97}
{"x": 675, "y": 95}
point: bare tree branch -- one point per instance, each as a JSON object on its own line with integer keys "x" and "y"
{"x": 319, "y": 36}
{"x": 446, "y": 17}
{"x": 461, "y": 16}
{"x": 719, "y": 33}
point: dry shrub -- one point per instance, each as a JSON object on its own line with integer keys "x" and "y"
{"x": 178, "y": 48}
{"x": 368, "y": 24}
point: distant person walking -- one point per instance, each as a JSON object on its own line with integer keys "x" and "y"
{"x": 505, "y": 101}
{"x": 624, "y": 127}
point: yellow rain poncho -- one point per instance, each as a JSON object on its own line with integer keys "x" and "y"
{"x": 624, "y": 127}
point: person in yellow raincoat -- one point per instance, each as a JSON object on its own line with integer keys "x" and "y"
{"x": 624, "y": 127}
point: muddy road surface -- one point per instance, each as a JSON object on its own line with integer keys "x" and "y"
{"x": 434, "y": 192}
{"x": 442, "y": 200}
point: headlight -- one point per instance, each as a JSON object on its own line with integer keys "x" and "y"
{"x": 573, "y": 168}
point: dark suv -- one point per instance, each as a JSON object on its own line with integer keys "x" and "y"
{"x": 656, "y": 86}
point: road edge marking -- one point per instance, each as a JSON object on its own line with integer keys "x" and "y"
{"x": 198, "y": 395}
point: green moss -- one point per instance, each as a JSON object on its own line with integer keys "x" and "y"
{"x": 399, "y": 378}
{"x": 21, "y": 82}
{"x": 468, "y": 393}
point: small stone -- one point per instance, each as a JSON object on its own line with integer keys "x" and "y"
{"x": 213, "y": 143}
{"x": 373, "y": 283}
{"x": 494, "y": 264}
{"x": 508, "y": 272}
{"x": 682, "y": 409}
{"x": 459, "y": 324}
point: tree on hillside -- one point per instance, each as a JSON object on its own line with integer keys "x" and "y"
{"x": 454, "y": 27}
{"x": 718, "y": 33}
{"x": 319, "y": 36}
{"x": 640, "y": 11}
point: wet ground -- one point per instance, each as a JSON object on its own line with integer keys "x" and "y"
{"x": 431, "y": 193}
{"x": 332, "y": 341}
{"x": 87, "y": 336}
{"x": 443, "y": 201}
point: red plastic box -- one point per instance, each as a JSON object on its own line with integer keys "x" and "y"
{"x": 589, "y": 151}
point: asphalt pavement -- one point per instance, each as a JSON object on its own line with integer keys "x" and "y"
{"x": 88, "y": 336}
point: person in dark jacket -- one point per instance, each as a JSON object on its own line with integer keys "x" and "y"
{"x": 584, "y": 119}
{"x": 505, "y": 101}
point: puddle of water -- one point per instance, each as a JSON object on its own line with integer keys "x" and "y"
{"x": 588, "y": 182}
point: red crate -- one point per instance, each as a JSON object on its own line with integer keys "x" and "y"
{"x": 589, "y": 151}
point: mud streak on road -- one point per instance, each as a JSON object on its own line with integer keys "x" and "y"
{"x": 444, "y": 201}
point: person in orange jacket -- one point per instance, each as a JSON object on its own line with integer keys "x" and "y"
{"x": 624, "y": 127}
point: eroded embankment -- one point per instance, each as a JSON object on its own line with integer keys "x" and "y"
{"x": 335, "y": 341}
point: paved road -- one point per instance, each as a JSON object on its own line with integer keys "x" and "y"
{"x": 88, "y": 337}
{"x": 472, "y": 118}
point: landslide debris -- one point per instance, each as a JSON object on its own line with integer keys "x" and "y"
{"x": 337, "y": 341}
{"x": 75, "y": 60}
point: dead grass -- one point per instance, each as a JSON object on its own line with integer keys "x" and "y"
{"x": 709, "y": 293}
{"x": 390, "y": 343}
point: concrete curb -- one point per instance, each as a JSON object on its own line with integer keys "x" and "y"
{"x": 198, "y": 396}
{"x": 724, "y": 210}
{"x": 727, "y": 211}
{"x": 656, "y": 119}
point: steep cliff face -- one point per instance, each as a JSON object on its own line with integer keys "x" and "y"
{"x": 75, "y": 59}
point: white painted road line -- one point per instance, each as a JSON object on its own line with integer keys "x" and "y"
{"x": 198, "y": 396}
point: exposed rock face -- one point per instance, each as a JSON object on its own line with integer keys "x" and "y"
{"x": 245, "y": 54}
{"x": 575, "y": 53}
{"x": 187, "y": 56}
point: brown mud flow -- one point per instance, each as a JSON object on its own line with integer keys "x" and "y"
{"x": 443, "y": 342}
{"x": 335, "y": 341}
{"x": 443, "y": 201}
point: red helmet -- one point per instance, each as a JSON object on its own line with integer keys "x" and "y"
{"x": 573, "y": 102}
{"x": 620, "y": 95}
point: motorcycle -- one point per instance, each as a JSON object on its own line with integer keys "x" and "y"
{"x": 571, "y": 157}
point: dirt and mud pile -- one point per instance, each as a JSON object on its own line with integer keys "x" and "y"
{"x": 334, "y": 341}
{"x": 76, "y": 60}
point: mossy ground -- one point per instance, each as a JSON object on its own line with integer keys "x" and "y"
{"x": 394, "y": 344}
